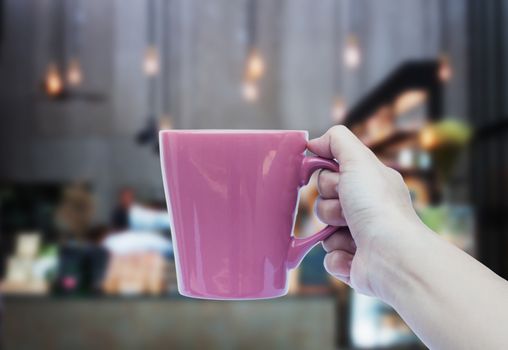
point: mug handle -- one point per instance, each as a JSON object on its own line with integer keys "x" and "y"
{"x": 299, "y": 247}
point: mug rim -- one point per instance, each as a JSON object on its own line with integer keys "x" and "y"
{"x": 231, "y": 131}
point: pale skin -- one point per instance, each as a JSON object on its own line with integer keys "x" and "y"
{"x": 382, "y": 249}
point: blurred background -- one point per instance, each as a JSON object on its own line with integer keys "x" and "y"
{"x": 86, "y": 259}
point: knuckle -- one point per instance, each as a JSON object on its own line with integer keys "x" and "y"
{"x": 323, "y": 209}
{"x": 327, "y": 184}
{"x": 324, "y": 180}
{"x": 327, "y": 245}
{"x": 331, "y": 260}
{"x": 394, "y": 174}
{"x": 329, "y": 212}
{"x": 318, "y": 207}
{"x": 320, "y": 181}
{"x": 327, "y": 262}
{"x": 338, "y": 130}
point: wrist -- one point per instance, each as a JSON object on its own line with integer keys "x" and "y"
{"x": 395, "y": 258}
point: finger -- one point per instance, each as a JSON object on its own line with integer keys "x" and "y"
{"x": 329, "y": 211}
{"x": 338, "y": 263}
{"x": 345, "y": 279}
{"x": 340, "y": 240}
{"x": 340, "y": 143}
{"x": 328, "y": 182}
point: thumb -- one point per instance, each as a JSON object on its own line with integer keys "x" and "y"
{"x": 341, "y": 144}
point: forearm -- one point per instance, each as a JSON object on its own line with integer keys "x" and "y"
{"x": 449, "y": 299}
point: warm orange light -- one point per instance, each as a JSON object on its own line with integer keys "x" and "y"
{"x": 445, "y": 69}
{"x": 74, "y": 74}
{"x": 255, "y": 67}
{"x": 165, "y": 122}
{"x": 151, "y": 61}
{"x": 406, "y": 158}
{"x": 409, "y": 100}
{"x": 53, "y": 83}
{"x": 428, "y": 138}
{"x": 250, "y": 91}
{"x": 352, "y": 56}
{"x": 338, "y": 110}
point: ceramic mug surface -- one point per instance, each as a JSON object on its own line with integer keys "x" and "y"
{"x": 232, "y": 197}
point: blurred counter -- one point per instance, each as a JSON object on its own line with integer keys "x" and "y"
{"x": 168, "y": 323}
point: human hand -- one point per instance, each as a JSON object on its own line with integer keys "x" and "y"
{"x": 371, "y": 204}
{"x": 384, "y": 250}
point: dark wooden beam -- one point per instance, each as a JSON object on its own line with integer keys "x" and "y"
{"x": 409, "y": 76}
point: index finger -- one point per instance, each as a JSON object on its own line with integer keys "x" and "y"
{"x": 339, "y": 143}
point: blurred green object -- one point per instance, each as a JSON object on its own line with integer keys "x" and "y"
{"x": 434, "y": 217}
{"x": 312, "y": 270}
{"x": 455, "y": 222}
{"x": 446, "y": 140}
{"x": 47, "y": 262}
{"x": 49, "y": 250}
{"x": 453, "y": 132}
{"x": 451, "y": 218}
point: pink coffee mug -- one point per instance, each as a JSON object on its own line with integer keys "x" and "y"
{"x": 232, "y": 196}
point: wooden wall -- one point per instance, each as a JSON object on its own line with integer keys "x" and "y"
{"x": 171, "y": 323}
{"x": 489, "y": 115}
{"x": 301, "y": 41}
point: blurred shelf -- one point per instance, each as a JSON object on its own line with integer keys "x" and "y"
{"x": 408, "y": 76}
{"x": 68, "y": 95}
{"x": 148, "y": 298}
{"x": 414, "y": 172}
{"x": 396, "y": 137}
{"x": 169, "y": 323}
